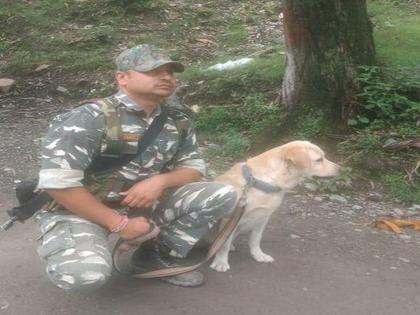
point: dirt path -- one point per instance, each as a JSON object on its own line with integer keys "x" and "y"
{"x": 329, "y": 260}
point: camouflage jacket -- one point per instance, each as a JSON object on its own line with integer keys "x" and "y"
{"x": 75, "y": 138}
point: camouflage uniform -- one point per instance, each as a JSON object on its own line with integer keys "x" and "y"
{"x": 76, "y": 249}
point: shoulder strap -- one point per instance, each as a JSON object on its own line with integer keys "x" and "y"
{"x": 179, "y": 120}
{"x": 109, "y": 163}
{"x": 113, "y": 133}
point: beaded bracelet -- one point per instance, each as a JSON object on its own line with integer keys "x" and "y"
{"x": 120, "y": 225}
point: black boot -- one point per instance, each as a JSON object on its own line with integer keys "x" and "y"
{"x": 153, "y": 255}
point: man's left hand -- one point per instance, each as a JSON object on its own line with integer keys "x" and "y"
{"x": 144, "y": 193}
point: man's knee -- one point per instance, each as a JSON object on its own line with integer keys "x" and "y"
{"x": 87, "y": 273}
{"x": 223, "y": 198}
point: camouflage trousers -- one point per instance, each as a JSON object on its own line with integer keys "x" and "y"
{"x": 77, "y": 251}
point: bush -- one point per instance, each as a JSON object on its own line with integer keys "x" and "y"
{"x": 382, "y": 97}
{"x": 399, "y": 188}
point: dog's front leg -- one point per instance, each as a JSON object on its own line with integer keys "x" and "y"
{"x": 220, "y": 261}
{"x": 255, "y": 241}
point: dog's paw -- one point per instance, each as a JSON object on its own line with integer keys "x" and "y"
{"x": 261, "y": 257}
{"x": 220, "y": 266}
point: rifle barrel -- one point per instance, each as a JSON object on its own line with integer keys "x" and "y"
{"x": 8, "y": 224}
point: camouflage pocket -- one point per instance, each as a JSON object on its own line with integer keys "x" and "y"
{"x": 56, "y": 239}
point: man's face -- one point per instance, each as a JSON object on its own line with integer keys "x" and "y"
{"x": 159, "y": 82}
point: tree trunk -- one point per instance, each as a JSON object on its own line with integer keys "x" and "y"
{"x": 325, "y": 41}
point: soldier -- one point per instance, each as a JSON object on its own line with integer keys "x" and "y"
{"x": 165, "y": 178}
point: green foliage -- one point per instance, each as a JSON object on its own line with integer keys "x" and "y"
{"x": 310, "y": 124}
{"x": 133, "y": 6}
{"x": 214, "y": 119}
{"x": 359, "y": 146}
{"x": 236, "y": 34}
{"x": 101, "y": 34}
{"x": 340, "y": 182}
{"x": 253, "y": 115}
{"x": 20, "y": 61}
{"x": 381, "y": 98}
{"x": 396, "y": 29}
{"x": 232, "y": 144}
{"x": 400, "y": 189}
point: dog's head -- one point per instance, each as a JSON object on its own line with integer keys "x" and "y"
{"x": 304, "y": 159}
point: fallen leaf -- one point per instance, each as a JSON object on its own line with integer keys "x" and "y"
{"x": 395, "y": 224}
{"x": 206, "y": 41}
{"x": 385, "y": 224}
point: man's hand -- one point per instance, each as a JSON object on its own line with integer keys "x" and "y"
{"x": 144, "y": 193}
{"x": 136, "y": 227}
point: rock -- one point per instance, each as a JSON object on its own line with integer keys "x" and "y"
{"x": 414, "y": 207}
{"x": 6, "y": 84}
{"x": 405, "y": 237}
{"x": 294, "y": 236}
{"x": 374, "y": 196}
{"x": 338, "y": 198}
{"x": 83, "y": 83}
{"x": 62, "y": 89}
{"x": 356, "y": 207}
{"x": 319, "y": 199}
{"x": 41, "y": 67}
{"x": 4, "y": 305}
{"x": 212, "y": 173}
{"x": 311, "y": 186}
{"x": 196, "y": 109}
{"x": 396, "y": 212}
{"x": 10, "y": 170}
{"x": 404, "y": 259}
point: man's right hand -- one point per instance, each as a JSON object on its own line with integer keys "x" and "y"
{"x": 136, "y": 227}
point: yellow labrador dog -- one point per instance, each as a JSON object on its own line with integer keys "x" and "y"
{"x": 268, "y": 176}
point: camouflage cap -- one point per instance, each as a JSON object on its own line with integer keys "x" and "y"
{"x": 145, "y": 58}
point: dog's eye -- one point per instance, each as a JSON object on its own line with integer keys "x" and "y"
{"x": 319, "y": 160}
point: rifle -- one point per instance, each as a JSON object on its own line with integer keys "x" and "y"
{"x": 29, "y": 202}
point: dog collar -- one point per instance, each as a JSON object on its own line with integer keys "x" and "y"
{"x": 251, "y": 181}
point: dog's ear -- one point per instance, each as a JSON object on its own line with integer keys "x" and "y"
{"x": 297, "y": 158}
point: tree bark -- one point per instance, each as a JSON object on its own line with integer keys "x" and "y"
{"x": 325, "y": 41}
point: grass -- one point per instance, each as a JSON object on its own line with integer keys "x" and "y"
{"x": 400, "y": 189}
{"x": 212, "y": 87}
{"x": 236, "y": 34}
{"x": 396, "y": 32}
{"x": 45, "y": 32}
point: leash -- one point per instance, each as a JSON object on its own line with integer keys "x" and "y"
{"x": 220, "y": 239}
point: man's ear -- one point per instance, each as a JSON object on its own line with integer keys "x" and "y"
{"x": 121, "y": 77}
